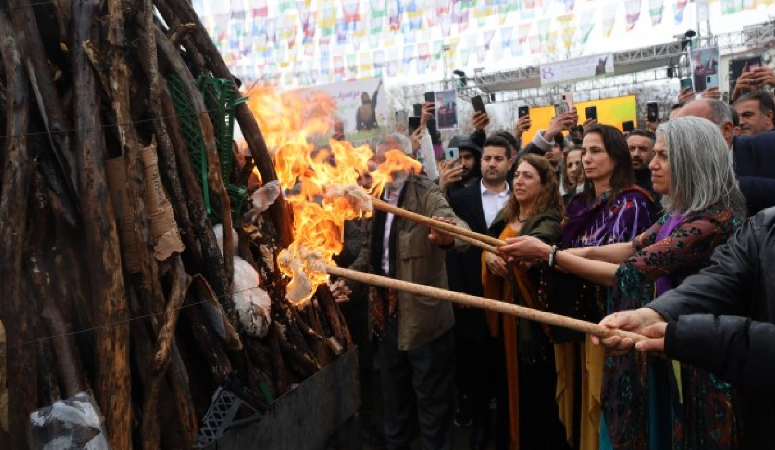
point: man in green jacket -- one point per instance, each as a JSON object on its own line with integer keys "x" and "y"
{"x": 416, "y": 343}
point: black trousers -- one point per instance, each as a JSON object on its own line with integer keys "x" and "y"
{"x": 475, "y": 380}
{"x": 423, "y": 380}
{"x": 356, "y": 313}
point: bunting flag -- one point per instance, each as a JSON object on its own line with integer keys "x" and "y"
{"x": 678, "y": 10}
{"x": 285, "y": 5}
{"x": 395, "y": 11}
{"x": 517, "y": 47}
{"x": 367, "y": 64}
{"x": 524, "y": 31}
{"x": 446, "y": 25}
{"x": 731, "y": 6}
{"x": 308, "y": 21}
{"x": 497, "y": 51}
{"x": 342, "y": 33}
{"x": 587, "y": 21}
{"x": 488, "y": 35}
{"x": 465, "y": 54}
{"x": 505, "y": 9}
{"x": 656, "y": 7}
{"x": 482, "y": 11}
{"x": 352, "y": 66}
{"x": 567, "y": 29}
{"x": 271, "y": 31}
{"x": 408, "y": 55}
{"x": 506, "y": 33}
{"x": 379, "y": 62}
{"x": 413, "y": 15}
{"x": 358, "y": 35}
{"x": 528, "y": 9}
{"x": 261, "y": 9}
{"x": 289, "y": 28}
{"x": 550, "y": 46}
{"x": 535, "y": 44}
{"x": 467, "y": 4}
{"x": 376, "y": 25}
{"x": 608, "y": 19}
{"x": 451, "y": 52}
{"x": 462, "y": 26}
{"x": 632, "y": 13}
{"x": 392, "y": 61}
{"x": 543, "y": 27}
{"x": 327, "y": 12}
{"x": 568, "y": 4}
{"x": 437, "y": 49}
{"x": 378, "y": 8}
{"x": 309, "y": 49}
{"x": 351, "y": 12}
{"x": 749, "y": 4}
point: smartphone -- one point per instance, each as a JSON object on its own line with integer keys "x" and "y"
{"x": 478, "y": 103}
{"x": 628, "y": 126}
{"x": 652, "y": 111}
{"x": 754, "y": 62}
{"x": 452, "y": 153}
{"x": 711, "y": 81}
{"x": 430, "y": 97}
{"x": 431, "y": 126}
{"x": 686, "y": 83}
{"x": 591, "y": 112}
{"x": 561, "y": 108}
{"x": 567, "y": 98}
{"x": 417, "y": 110}
{"x": 523, "y": 111}
{"x": 414, "y": 124}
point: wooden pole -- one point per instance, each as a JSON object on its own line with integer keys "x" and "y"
{"x": 400, "y": 212}
{"x": 484, "y": 303}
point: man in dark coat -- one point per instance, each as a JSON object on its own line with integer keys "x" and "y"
{"x": 478, "y": 205}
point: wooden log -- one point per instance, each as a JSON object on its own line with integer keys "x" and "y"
{"x": 102, "y": 252}
{"x": 16, "y": 177}
{"x": 184, "y": 12}
{"x": 217, "y": 264}
{"x": 180, "y": 283}
{"x": 419, "y": 218}
{"x": 46, "y": 95}
{"x": 149, "y": 62}
{"x": 484, "y": 303}
{"x": 38, "y": 265}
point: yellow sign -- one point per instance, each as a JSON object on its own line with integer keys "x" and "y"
{"x": 610, "y": 111}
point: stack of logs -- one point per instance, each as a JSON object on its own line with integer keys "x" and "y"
{"x": 82, "y": 82}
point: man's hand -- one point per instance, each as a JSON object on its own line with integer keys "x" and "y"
{"x": 686, "y": 95}
{"x": 417, "y": 139}
{"x": 441, "y": 238}
{"x": 588, "y": 124}
{"x": 427, "y": 114}
{"x": 559, "y": 124}
{"x": 481, "y": 120}
{"x": 523, "y": 124}
{"x": 764, "y": 75}
{"x": 575, "y": 115}
{"x": 340, "y": 290}
{"x": 496, "y": 265}
{"x": 712, "y": 94}
{"x": 636, "y": 321}
{"x": 746, "y": 82}
{"x": 656, "y": 343}
{"x": 449, "y": 174}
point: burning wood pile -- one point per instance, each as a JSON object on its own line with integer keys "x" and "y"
{"x": 115, "y": 166}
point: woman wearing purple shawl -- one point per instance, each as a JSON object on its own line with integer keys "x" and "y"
{"x": 647, "y": 402}
{"x": 611, "y": 209}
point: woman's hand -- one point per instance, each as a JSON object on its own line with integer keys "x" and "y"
{"x": 525, "y": 248}
{"x": 582, "y": 252}
{"x": 637, "y": 321}
{"x": 496, "y": 265}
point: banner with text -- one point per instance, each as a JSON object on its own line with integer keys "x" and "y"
{"x": 577, "y": 69}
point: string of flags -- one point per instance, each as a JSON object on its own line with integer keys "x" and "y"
{"x": 306, "y": 42}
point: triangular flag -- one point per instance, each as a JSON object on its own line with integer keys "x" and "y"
{"x": 656, "y": 7}
{"x": 632, "y": 13}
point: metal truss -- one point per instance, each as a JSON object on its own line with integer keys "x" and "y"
{"x": 630, "y": 67}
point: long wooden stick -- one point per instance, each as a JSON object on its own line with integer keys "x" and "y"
{"x": 475, "y": 243}
{"x": 484, "y": 303}
{"x": 400, "y": 212}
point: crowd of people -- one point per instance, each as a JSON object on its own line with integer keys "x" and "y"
{"x": 664, "y": 231}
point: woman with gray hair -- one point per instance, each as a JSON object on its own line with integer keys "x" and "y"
{"x": 648, "y": 402}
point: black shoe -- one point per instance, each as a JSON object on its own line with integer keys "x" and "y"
{"x": 373, "y": 435}
{"x": 480, "y": 435}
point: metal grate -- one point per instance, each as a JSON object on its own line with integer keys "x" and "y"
{"x": 227, "y": 401}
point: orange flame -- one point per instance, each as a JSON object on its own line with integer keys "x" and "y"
{"x": 289, "y": 122}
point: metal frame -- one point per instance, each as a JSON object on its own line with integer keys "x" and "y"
{"x": 525, "y": 82}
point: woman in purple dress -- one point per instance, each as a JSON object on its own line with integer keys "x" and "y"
{"x": 611, "y": 209}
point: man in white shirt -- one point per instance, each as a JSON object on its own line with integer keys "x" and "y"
{"x": 477, "y": 204}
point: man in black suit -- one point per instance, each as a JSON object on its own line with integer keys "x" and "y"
{"x": 477, "y": 205}
{"x": 753, "y": 156}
